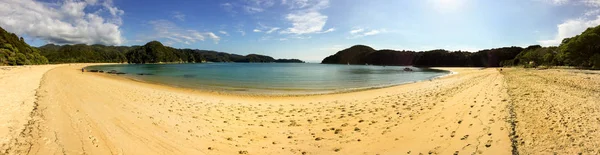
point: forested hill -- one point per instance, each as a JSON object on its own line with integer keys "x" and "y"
{"x": 156, "y": 52}
{"x": 14, "y": 51}
{"x": 151, "y": 52}
{"x": 582, "y": 51}
{"x": 361, "y": 54}
{"x": 84, "y": 53}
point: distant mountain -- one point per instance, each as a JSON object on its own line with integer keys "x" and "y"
{"x": 289, "y": 61}
{"x": 155, "y": 52}
{"x": 151, "y": 52}
{"x": 14, "y": 51}
{"x": 361, "y": 55}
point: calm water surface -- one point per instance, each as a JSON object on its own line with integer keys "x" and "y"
{"x": 273, "y": 78}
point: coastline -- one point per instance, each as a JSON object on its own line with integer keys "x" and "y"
{"x": 275, "y": 92}
{"x": 464, "y": 113}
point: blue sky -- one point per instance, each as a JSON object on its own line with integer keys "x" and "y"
{"x": 306, "y": 29}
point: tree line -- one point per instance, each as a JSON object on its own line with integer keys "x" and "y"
{"x": 582, "y": 51}
{"x": 361, "y": 54}
{"x": 156, "y": 52}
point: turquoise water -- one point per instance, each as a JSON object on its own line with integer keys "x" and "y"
{"x": 272, "y": 78}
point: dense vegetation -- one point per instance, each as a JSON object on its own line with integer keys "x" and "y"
{"x": 152, "y": 52}
{"x": 581, "y": 51}
{"x": 288, "y": 61}
{"x": 14, "y": 51}
{"x": 84, "y": 53}
{"x": 155, "y": 52}
{"x": 361, "y": 54}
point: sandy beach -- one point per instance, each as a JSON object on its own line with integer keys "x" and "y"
{"x": 60, "y": 110}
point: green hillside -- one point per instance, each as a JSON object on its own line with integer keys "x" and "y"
{"x": 14, "y": 51}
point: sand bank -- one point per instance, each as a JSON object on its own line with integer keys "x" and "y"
{"x": 465, "y": 113}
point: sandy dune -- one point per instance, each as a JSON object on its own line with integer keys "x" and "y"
{"x": 466, "y": 113}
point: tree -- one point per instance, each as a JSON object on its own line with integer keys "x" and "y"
{"x": 14, "y": 51}
{"x": 595, "y": 61}
{"x": 578, "y": 50}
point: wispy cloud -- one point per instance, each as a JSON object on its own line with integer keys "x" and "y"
{"x": 355, "y": 31}
{"x": 272, "y": 30}
{"x": 228, "y": 7}
{"x": 251, "y": 9}
{"x": 242, "y": 32}
{"x": 256, "y": 30}
{"x": 224, "y": 33}
{"x": 328, "y": 30}
{"x": 179, "y": 16}
{"x": 214, "y": 37}
{"x": 168, "y": 30}
{"x": 305, "y": 22}
{"x": 307, "y": 18}
{"x": 248, "y": 6}
{"x": 360, "y": 32}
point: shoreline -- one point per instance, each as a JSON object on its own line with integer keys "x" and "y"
{"x": 471, "y": 112}
{"x": 124, "y": 116}
{"x": 265, "y": 93}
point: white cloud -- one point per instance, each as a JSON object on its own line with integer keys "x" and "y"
{"x": 64, "y": 22}
{"x": 592, "y": 12}
{"x": 328, "y": 30}
{"x": 261, "y": 3}
{"x": 570, "y": 28}
{"x": 355, "y": 31}
{"x": 359, "y": 33}
{"x": 573, "y": 27}
{"x": 214, "y": 37}
{"x": 179, "y": 16}
{"x": 249, "y": 6}
{"x": 168, "y": 30}
{"x": 224, "y": 33}
{"x": 303, "y": 4}
{"x": 266, "y": 29}
{"x": 229, "y": 8}
{"x": 272, "y": 30}
{"x": 593, "y": 3}
{"x": 307, "y": 17}
{"x": 251, "y": 9}
{"x": 372, "y": 32}
{"x": 306, "y": 22}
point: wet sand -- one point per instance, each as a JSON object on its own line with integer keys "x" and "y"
{"x": 465, "y": 113}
